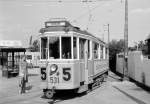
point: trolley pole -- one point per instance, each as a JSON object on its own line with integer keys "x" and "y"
{"x": 125, "y": 65}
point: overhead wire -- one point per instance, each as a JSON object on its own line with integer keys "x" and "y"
{"x": 84, "y": 14}
{"x": 59, "y": 1}
{"x": 90, "y": 16}
{"x": 68, "y": 1}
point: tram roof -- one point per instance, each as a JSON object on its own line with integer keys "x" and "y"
{"x": 66, "y": 28}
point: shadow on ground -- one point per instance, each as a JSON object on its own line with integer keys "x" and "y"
{"x": 63, "y": 95}
{"x": 138, "y": 101}
{"x": 117, "y": 78}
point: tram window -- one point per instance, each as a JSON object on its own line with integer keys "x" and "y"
{"x": 74, "y": 47}
{"x": 101, "y": 52}
{"x": 95, "y": 50}
{"x": 104, "y": 56}
{"x": 54, "y": 48}
{"x": 66, "y": 47}
{"x": 88, "y": 49}
{"x": 81, "y": 48}
{"x": 44, "y": 50}
{"x": 106, "y": 52}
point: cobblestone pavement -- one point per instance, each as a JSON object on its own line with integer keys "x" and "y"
{"x": 113, "y": 91}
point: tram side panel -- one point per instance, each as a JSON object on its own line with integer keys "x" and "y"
{"x": 77, "y": 74}
{"x": 82, "y": 72}
{"x": 100, "y": 67}
{"x": 95, "y": 69}
{"x": 90, "y": 70}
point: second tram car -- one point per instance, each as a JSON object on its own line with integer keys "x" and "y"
{"x": 71, "y": 59}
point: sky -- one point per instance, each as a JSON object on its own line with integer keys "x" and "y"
{"x": 19, "y": 19}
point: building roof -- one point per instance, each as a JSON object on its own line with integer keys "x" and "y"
{"x": 12, "y": 49}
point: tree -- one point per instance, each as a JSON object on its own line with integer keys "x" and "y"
{"x": 35, "y": 47}
{"x": 115, "y": 47}
{"x": 141, "y": 46}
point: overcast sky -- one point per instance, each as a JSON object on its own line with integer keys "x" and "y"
{"x": 19, "y": 19}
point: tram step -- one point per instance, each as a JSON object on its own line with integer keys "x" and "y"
{"x": 83, "y": 88}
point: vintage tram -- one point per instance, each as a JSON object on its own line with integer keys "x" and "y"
{"x": 70, "y": 59}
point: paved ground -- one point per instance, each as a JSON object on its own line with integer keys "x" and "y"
{"x": 113, "y": 91}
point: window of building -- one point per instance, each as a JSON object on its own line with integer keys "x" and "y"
{"x": 54, "y": 50}
{"x": 66, "y": 47}
{"x": 29, "y": 57}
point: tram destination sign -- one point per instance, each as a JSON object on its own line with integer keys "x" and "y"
{"x": 49, "y": 24}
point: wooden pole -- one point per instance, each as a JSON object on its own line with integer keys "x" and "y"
{"x": 125, "y": 66}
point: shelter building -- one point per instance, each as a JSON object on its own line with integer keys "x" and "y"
{"x": 10, "y": 54}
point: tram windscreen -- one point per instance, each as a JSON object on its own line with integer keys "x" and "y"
{"x": 44, "y": 51}
{"x": 66, "y": 47}
{"x": 101, "y": 52}
{"x": 54, "y": 52}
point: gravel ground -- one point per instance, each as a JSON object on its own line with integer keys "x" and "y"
{"x": 113, "y": 91}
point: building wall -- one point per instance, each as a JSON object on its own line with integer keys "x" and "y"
{"x": 138, "y": 67}
{"x": 35, "y": 58}
{"x": 119, "y": 63}
{"x": 146, "y": 70}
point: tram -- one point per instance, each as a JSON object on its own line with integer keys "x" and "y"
{"x": 70, "y": 58}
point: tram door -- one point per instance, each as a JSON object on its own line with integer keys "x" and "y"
{"x": 86, "y": 62}
{"x": 83, "y": 52}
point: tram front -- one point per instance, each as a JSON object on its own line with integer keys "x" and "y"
{"x": 58, "y": 53}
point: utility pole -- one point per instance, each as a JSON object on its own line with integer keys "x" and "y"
{"x": 125, "y": 65}
{"x": 108, "y": 44}
{"x": 108, "y": 37}
{"x": 108, "y": 31}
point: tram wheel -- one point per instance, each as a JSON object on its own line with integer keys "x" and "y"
{"x": 49, "y": 94}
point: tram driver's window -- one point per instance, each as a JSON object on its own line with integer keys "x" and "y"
{"x": 54, "y": 48}
{"x": 81, "y": 48}
{"x": 44, "y": 51}
{"x": 66, "y": 47}
{"x": 101, "y": 52}
{"x": 74, "y": 47}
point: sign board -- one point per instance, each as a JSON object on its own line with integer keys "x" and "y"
{"x": 48, "y": 24}
{"x": 10, "y": 43}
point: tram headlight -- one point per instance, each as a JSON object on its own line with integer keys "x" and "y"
{"x": 53, "y": 69}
